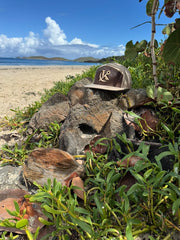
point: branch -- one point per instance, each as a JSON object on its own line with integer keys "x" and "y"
{"x": 158, "y": 24}
{"x": 153, "y": 13}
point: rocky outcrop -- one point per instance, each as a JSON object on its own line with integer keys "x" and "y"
{"x": 55, "y": 109}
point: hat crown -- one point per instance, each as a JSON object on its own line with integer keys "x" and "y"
{"x": 107, "y": 75}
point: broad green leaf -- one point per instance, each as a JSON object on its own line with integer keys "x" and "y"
{"x": 163, "y": 95}
{"x": 149, "y": 6}
{"x": 130, "y": 51}
{"x": 141, "y": 46}
{"x": 171, "y": 51}
{"x": 169, "y": 28}
{"x": 21, "y": 223}
{"x": 176, "y": 206}
{"x": 150, "y": 91}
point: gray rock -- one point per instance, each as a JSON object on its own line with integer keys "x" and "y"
{"x": 133, "y": 98}
{"x": 55, "y": 109}
{"x": 84, "y": 122}
{"x": 78, "y": 93}
{"x": 10, "y": 177}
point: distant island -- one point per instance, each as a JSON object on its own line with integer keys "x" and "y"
{"x": 81, "y": 59}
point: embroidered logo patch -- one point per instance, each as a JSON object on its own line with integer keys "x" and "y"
{"x": 103, "y": 76}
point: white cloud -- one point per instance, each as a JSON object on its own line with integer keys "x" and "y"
{"x": 54, "y": 43}
{"x": 54, "y": 33}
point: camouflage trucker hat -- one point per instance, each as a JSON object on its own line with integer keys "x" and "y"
{"x": 112, "y": 77}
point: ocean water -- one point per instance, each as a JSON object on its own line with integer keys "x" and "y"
{"x": 37, "y": 62}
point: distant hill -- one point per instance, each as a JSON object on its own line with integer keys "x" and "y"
{"x": 86, "y": 59}
{"x": 81, "y": 59}
{"x": 44, "y": 58}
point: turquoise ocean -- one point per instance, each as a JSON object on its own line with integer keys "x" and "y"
{"x": 37, "y": 62}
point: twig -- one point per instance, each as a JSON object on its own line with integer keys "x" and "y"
{"x": 157, "y": 24}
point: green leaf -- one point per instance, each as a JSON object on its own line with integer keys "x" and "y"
{"x": 176, "y": 109}
{"x": 109, "y": 176}
{"x": 141, "y": 46}
{"x": 29, "y": 235}
{"x": 176, "y": 206}
{"x": 162, "y": 155}
{"x": 37, "y": 233}
{"x": 169, "y": 28}
{"x": 52, "y": 210}
{"x": 163, "y": 95}
{"x": 171, "y": 51}
{"x": 148, "y": 173}
{"x": 84, "y": 226}
{"x": 12, "y": 213}
{"x": 82, "y": 210}
{"x": 150, "y": 91}
{"x": 126, "y": 203}
{"x": 158, "y": 180}
{"x": 130, "y": 51}
{"x": 21, "y": 223}
{"x": 45, "y": 222}
{"x": 129, "y": 231}
{"x": 16, "y": 205}
{"x": 98, "y": 203}
{"x": 149, "y": 6}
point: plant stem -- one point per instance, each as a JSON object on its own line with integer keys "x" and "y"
{"x": 154, "y": 63}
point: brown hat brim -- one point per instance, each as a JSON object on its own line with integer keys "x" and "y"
{"x": 104, "y": 87}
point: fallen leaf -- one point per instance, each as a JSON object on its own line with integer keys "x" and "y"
{"x": 33, "y": 210}
{"x": 129, "y": 162}
{"x": 78, "y": 182}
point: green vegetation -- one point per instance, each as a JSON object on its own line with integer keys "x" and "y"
{"x": 110, "y": 211}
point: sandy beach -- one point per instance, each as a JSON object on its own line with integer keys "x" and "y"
{"x": 21, "y": 86}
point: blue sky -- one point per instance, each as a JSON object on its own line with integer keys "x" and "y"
{"x": 73, "y": 28}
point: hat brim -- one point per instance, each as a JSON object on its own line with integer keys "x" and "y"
{"x": 103, "y": 87}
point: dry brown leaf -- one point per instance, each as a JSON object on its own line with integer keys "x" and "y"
{"x": 78, "y": 182}
{"x": 33, "y": 210}
{"x": 129, "y": 162}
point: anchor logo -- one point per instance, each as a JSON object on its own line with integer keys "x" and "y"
{"x": 103, "y": 76}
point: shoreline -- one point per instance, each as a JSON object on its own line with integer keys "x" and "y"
{"x": 22, "y": 85}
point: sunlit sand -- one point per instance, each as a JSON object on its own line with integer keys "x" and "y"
{"x": 20, "y": 85}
